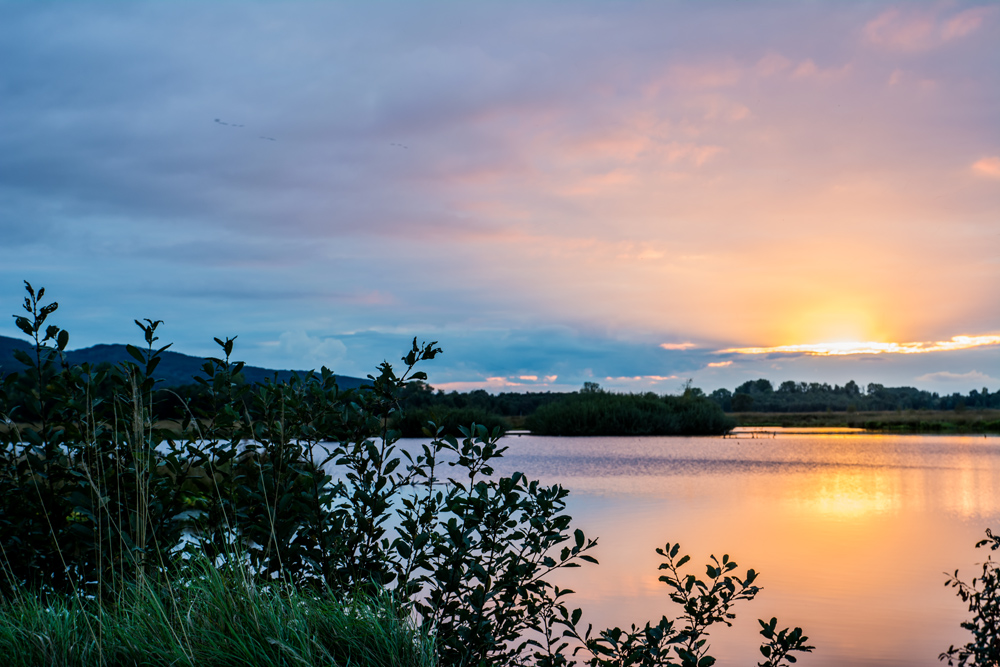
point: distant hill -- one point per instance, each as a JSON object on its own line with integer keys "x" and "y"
{"x": 175, "y": 369}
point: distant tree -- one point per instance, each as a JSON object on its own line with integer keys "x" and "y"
{"x": 723, "y": 398}
{"x": 742, "y": 402}
{"x": 760, "y": 386}
{"x": 690, "y": 390}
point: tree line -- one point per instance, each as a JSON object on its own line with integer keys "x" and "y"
{"x": 790, "y": 396}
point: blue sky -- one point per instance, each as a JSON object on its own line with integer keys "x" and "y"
{"x": 555, "y": 192}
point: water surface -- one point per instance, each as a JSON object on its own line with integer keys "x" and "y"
{"x": 852, "y": 532}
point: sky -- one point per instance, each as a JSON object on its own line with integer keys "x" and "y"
{"x": 628, "y": 193}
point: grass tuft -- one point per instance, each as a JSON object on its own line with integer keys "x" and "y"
{"x": 210, "y": 617}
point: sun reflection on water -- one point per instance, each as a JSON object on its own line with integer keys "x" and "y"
{"x": 852, "y": 533}
{"x": 848, "y": 494}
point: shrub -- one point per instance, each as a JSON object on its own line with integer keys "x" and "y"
{"x": 982, "y": 594}
{"x": 100, "y": 510}
{"x": 413, "y": 423}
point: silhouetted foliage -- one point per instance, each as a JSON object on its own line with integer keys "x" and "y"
{"x": 419, "y": 423}
{"x": 982, "y": 594}
{"x": 305, "y": 484}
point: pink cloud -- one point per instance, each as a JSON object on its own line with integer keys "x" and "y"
{"x": 965, "y": 22}
{"x": 720, "y": 364}
{"x": 808, "y": 69}
{"x": 677, "y": 346}
{"x": 697, "y": 154}
{"x": 497, "y": 383}
{"x": 771, "y": 64}
{"x": 908, "y": 32}
{"x": 921, "y": 30}
{"x": 987, "y": 166}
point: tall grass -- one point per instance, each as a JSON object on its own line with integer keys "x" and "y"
{"x": 210, "y": 616}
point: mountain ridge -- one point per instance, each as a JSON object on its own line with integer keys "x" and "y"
{"x": 175, "y": 369}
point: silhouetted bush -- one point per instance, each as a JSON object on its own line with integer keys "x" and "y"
{"x": 295, "y": 494}
{"x": 414, "y": 423}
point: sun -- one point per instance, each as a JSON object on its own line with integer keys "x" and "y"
{"x": 838, "y": 322}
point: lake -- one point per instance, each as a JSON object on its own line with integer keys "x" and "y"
{"x": 852, "y": 533}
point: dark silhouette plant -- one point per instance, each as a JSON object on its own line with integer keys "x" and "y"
{"x": 982, "y": 594}
{"x": 308, "y": 485}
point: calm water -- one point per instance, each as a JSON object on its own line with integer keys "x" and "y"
{"x": 852, "y": 533}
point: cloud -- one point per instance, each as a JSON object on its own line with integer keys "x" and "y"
{"x": 720, "y": 364}
{"x": 965, "y": 22}
{"x": 947, "y": 376}
{"x": 844, "y": 349}
{"x": 921, "y": 29}
{"x": 987, "y": 166}
{"x": 901, "y": 30}
{"x": 579, "y": 183}
{"x": 496, "y": 383}
{"x": 678, "y": 346}
{"x": 808, "y": 69}
{"x": 315, "y": 351}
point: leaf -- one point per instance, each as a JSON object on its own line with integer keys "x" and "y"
{"x": 24, "y": 325}
{"x": 135, "y": 353}
{"x": 23, "y": 357}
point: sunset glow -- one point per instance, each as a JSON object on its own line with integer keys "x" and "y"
{"x": 581, "y": 190}
{"x": 841, "y": 349}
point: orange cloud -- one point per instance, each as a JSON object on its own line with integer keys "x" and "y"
{"x": 720, "y": 364}
{"x": 842, "y": 349}
{"x": 532, "y": 378}
{"x": 987, "y": 166}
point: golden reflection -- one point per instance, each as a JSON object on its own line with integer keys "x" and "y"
{"x": 850, "y": 494}
{"x": 839, "y": 349}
